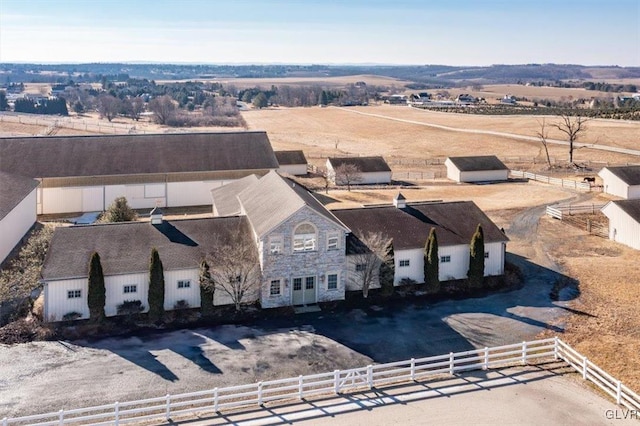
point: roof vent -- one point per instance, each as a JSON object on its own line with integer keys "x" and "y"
{"x": 156, "y": 216}
{"x": 399, "y": 201}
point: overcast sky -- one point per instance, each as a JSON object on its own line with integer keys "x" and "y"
{"x": 453, "y": 32}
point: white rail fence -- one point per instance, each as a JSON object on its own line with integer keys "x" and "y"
{"x": 335, "y": 382}
{"x": 559, "y": 211}
{"x": 56, "y": 122}
{"x": 565, "y": 183}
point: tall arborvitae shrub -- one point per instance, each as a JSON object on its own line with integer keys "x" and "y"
{"x": 387, "y": 272}
{"x": 206, "y": 289}
{"x": 156, "y": 287}
{"x": 432, "y": 263}
{"x": 476, "y": 259}
{"x": 96, "y": 295}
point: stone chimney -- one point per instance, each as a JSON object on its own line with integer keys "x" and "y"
{"x": 399, "y": 201}
{"x": 156, "y": 216}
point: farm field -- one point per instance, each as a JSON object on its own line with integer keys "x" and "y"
{"x": 332, "y": 82}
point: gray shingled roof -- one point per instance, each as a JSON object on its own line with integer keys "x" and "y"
{"x": 273, "y": 199}
{"x": 290, "y": 157}
{"x": 365, "y": 164}
{"x": 225, "y": 198}
{"x": 630, "y": 207}
{"x": 628, "y": 174}
{"x": 478, "y": 163}
{"x": 103, "y": 155}
{"x": 455, "y": 223}
{"x": 125, "y": 247}
{"x": 14, "y": 189}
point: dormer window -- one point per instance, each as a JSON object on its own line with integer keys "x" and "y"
{"x": 305, "y": 238}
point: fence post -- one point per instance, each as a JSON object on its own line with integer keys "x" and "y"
{"x": 215, "y": 400}
{"x": 61, "y": 416}
{"x": 413, "y": 369}
{"x": 584, "y": 367}
{"x": 336, "y": 381}
{"x": 555, "y": 348}
{"x": 486, "y": 358}
{"x": 370, "y": 376}
{"x": 300, "y": 381}
{"x": 618, "y": 392}
{"x": 259, "y": 393}
{"x": 116, "y": 413}
{"x": 524, "y": 353}
{"x": 5, "y": 422}
{"x": 168, "y": 411}
{"x": 451, "y": 363}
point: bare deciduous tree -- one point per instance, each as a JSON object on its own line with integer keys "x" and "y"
{"x": 163, "y": 108}
{"x": 543, "y": 135}
{"x": 347, "y": 174}
{"x": 108, "y": 106}
{"x": 572, "y": 127}
{"x": 137, "y": 107}
{"x": 371, "y": 251}
{"x": 234, "y": 269}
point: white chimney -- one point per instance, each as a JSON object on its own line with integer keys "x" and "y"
{"x": 156, "y": 216}
{"x": 399, "y": 201}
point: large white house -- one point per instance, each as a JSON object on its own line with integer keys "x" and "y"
{"x": 624, "y": 221}
{"x": 301, "y": 248}
{"x": 370, "y": 170}
{"x": 17, "y": 210}
{"x": 86, "y": 173}
{"x": 622, "y": 181}
{"x": 484, "y": 168}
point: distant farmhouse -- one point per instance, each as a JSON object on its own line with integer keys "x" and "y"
{"x": 292, "y": 162}
{"x": 487, "y": 168}
{"x": 17, "y": 210}
{"x": 302, "y": 249}
{"x": 86, "y": 173}
{"x": 371, "y": 170}
{"x": 622, "y": 181}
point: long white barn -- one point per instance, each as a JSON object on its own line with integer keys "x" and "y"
{"x": 17, "y": 210}
{"x": 86, "y": 173}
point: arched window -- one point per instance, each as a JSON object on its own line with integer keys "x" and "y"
{"x": 304, "y": 238}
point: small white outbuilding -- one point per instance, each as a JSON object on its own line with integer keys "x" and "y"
{"x": 292, "y": 162}
{"x": 485, "y": 168}
{"x": 624, "y": 222}
{"x": 370, "y": 170}
{"x": 17, "y": 210}
{"x": 623, "y": 181}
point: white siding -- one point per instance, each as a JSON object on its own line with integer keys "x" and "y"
{"x": 57, "y": 304}
{"x": 173, "y": 294}
{"x": 484, "y": 176}
{"x": 92, "y": 199}
{"x": 622, "y": 227}
{"x": 61, "y": 200}
{"x": 375, "y": 177}
{"x": 114, "y": 285}
{"x": 494, "y": 264}
{"x": 192, "y": 193}
{"x": 16, "y": 224}
{"x": 415, "y": 270}
{"x": 452, "y": 171}
{"x": 294, "y": 169}
{"x": 459, "y": 265}
{"x": 615, "y": 186}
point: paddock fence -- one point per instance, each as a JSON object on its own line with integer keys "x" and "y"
{"x": 565, "y": 183}
{"x": 211, "y": 401}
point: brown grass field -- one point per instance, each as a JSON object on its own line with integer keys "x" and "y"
{"x": 331, "y": 82}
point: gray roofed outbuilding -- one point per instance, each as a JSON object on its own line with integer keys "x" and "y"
{"x": 628, "y": 174}
{"x": 290, "y": 157}
{"x": 478, "y": 163}
{"x": 125, "y": 248}
{"x": 365, "y": 164}
{"x": 105, "y": 155}
{"x": 13, "y": 189}
{"x": 409, "y": 227}
{"x": 630, "y": 207}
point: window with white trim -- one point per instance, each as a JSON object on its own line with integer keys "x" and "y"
{"x": 404, "y": 262}
{"x": 304, "y": 238}
{"x": 445, "y": 259}
{"x": 130, "y": 288}
{"x": 274, "y": 288}
{"x": 74, "y": 294}
{"x": 184, "y": 283}
{"x": 332, "y": 281}
{"x": 486, "y": 254}
{"x": 333, "y": 242}
{"x": 275, "y": 244}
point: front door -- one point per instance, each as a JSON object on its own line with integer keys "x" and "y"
{"x": 304, "y": 291}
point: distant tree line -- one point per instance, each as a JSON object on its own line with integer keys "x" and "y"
{"x": 51, "y": 106}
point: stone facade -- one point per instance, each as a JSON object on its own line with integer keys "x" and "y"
{"x": 287, "y": 265}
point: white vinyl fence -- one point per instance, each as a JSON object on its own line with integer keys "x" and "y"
{"x": 335, "y": 382}
{"x": 565, "y": 183}
{"x": 559, "y": 211}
